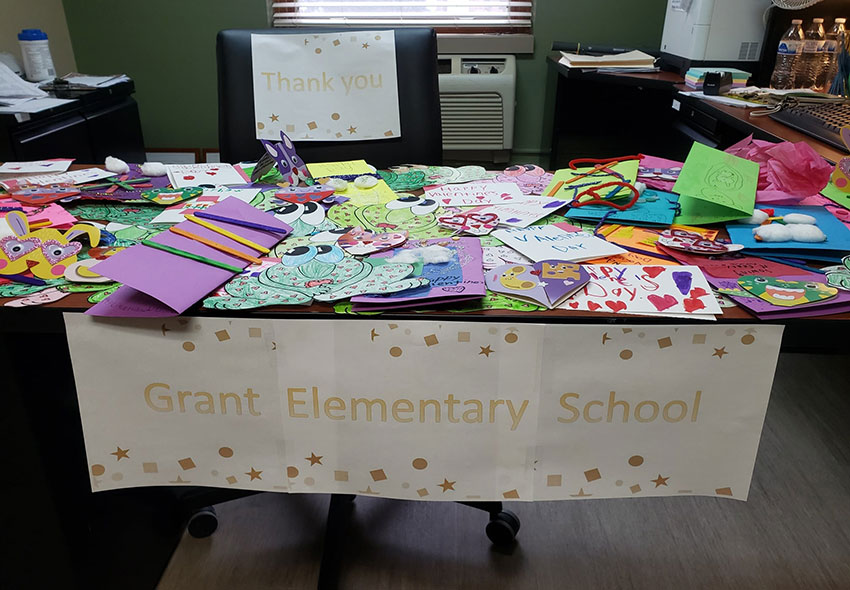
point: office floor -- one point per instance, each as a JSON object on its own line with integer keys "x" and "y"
{"x": 793, "y": 533}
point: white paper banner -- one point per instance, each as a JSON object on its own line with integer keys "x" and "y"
{"x": 423, "y": 410}
{"x": 327, "y": 87}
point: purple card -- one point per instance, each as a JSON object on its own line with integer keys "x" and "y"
{"x": 108, "y": 189}
{"x": 547, "y": 283}
{"x": 179, "y": 282}
{"x": 459, "y": 279}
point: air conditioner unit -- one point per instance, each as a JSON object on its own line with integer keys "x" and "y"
{"x": 477, "y": 99}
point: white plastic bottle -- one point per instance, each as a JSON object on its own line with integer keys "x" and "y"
{"x": 38, "y": 64}
{"x": 810, "y": 62}
{"x": 787, "y": 56}
{"x": 830, "y": 55}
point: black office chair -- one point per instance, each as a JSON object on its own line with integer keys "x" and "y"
{"x": 418, "y": 97}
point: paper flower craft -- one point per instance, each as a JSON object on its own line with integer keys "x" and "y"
{"x": 417, "y": 215}
{"x": 305, "y": 273}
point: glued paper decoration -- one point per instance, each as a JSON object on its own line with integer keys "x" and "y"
{"x": 304, "y": 194}
{"x": 126, "y": 187}
{"x": 291, "y": 167}
{"x": 326, "y": 87}
{"x": 549, "y": 242}
{"x": 167, "y": 196}
{"x": 122, "y": 213}
{"x": 653, "y": 207}
{"x": 547, "y": 283}
{"x": 667, "y": 290}
{"x": 45, "y": 296}
{"x": 839, "y": 276}
{"x": 80, "y": 272}
{"x": 204, "y": 174}
{"x": 531, "y": 179}
{"x": 305, "y": 219}
{"x": 476, "y": 224}
{"x": 353, "y": 168}
{"x": 359, "y": 242}
{"x": 305, "y": 273}
{"x": 416, "y": 215}
{"x": 450, "y": 175}
{"x": 208, "y": 198}
{"x": 409, "y": 180}
{"x": 474, "y": 194}
{"x": 688, "y": 241}
{"x": 786, "y": 293}
{"x": 522, "y": 212}
{"x": 378, "y": 403}
{"x": 841, "y": 174}
{"x": 565, "y": 187}
{"x": 33, "y": 194}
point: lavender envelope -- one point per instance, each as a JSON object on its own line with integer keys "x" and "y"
{"x": 176, "y": 283}
{"x": 547, "y": 283}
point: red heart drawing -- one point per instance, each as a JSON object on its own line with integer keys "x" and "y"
{"x": 447, "y": 201}
{"x": 593, "y": 306}
{"x": 662, "y": 303}
{"x": 211, "y": 172}
{"x": 692, "y": 304}
{"x": 698, "y": 292}
{"x": 616, "y": 305}
{"x": 535, "y": 272}
{"x": 653, "y": 271}
{"x": 188, "y": 177}
{"x": 574, "y": 304}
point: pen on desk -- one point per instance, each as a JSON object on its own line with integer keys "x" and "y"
{"x": 25, "y": 280}
{"x": 191, "y": 256}
{"x": 215, "y": 245}
{"x": 228, "y": 234}
{"x": 241, "y": 222}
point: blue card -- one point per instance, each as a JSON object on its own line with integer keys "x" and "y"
{"x": 654, "y": 207}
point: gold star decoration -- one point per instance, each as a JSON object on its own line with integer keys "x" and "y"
{"x": 365, "y": 46}
{"x": 486, "y": 351}
{"x": 314, "y": 459}
{"x": 253, "y": 474}
{"x": 121, "y": 453}
{"x": 373, "y": 334}
{"x": 274, "y": 117}
{"x": 605, "y": 338}
{"x": 352, "y": 130}
{"x": 660, "y": 481}
{"x": 719, "y": 352}
{"x": 447, "y": 485}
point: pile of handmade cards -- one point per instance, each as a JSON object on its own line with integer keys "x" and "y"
{"x": 653, "y": 207}
{"x": 553, "y": 242}
{"x": 666, "y": 290}
{"x": 547, "y": 283}
{"x": 168, "y": 273}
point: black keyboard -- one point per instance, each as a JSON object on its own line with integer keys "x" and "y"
{"x": 823, "y": 121}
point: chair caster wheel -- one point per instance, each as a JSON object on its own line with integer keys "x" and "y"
{"x": 503, "y": 528}
{"x": 203, "y": 523}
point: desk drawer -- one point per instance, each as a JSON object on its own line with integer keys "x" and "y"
{"x": 698, "y": 119}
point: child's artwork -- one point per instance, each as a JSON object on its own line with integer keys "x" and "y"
{"x": 714, "y": 186}
{"x": 36, "y": 166}
{"x": 462, "y": 277}
{"x": 305, "y": 219}
{"x": 408, "y": 180}
{"x": 839, "y": 276}
{"x": 547, "y": 283}
{"x": 653, "y": 207}
{"x": 522, "y": 212}
{"x": 531, "y": 179}
{"x": 306, "y": 273}
{"x": 349, "y": 168}
{"x": 71, "y": 177}
{"x": 171, "y": 196}
{"x": 34, "y": 194}
{"x": 119, "y": 212}
{"x": 204, "y": 174}
{"x": 80, "y": 272}
{"x": 126, "y": 187}
{"x": 450, "y": 175}
{"x": 359, "y": 242}
{"x": 836, "y": 195}
{"x": 688, "y": 241}
{"x": 376, "y": 195}
{"x": 46, "y": 296}
{"x": 304, "y": 194}
{"x": 659, "y": 173}
{"x": 209, "y": 197}
{"x": 494, "y": 256}
{"x": 568, "y": 183}
{"x": 786, "y": 293}
{"x": 291, "y": 167}
{"x": 841, "y": 175}
{"x": 417, "y": 215}
{"x": 549, "y": 242}
{"x": 46, "y": 252}
{"x": 672, "y": 290}
{"x": 474, "y": 194}
{"x": 476, "y": 224}
{"x": 53, "y": 213}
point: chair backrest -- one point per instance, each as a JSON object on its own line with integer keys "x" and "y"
{"x": 418, "y": 97}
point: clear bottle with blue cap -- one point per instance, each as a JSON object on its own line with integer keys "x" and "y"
{"x": 38, "y": 63}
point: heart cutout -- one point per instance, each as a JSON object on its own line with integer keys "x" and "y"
{"x": 662, "y": 303}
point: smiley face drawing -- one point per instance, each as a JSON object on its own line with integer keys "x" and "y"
{"x": 510, "y": 279}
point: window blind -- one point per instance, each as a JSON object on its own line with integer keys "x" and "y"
{"x": 468, "y": 16}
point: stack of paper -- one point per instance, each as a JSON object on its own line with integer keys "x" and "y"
{"x": 695, "y": 77}
{"x": 628, "y": 60}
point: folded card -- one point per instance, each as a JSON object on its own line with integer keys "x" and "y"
{"x": 471, "y": 194}
{"x": 549, "y": 242}
{"x": 547, "y": 283}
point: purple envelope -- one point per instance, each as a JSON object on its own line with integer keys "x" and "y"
{"x": 177, "y": 282}
{"x": 547, "y": 283}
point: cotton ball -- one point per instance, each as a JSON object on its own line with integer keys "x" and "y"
{"x": 640, "y": 187}
{"x": 153, "y": 169}
{"x": 799, "y": 218}
{"x": 338, "y": 184}
{"x": 117, "y": 166}
{"x": 775, "y": 232}
{"x": 436, "y": 254}
{"x": 806, "y": 233}
{"x": 405, "y": 257}
{"x": 758, "y": 218}
{"x": 365, "y": 181}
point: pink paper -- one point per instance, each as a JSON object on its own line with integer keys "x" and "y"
{"x": 54, "y": 213}
{"x": 656, "y": 162}
{"x": 788, "y": 172}
{"x": 180, "y": 282}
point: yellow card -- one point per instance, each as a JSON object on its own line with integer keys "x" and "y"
{"x": 322, "y": 169}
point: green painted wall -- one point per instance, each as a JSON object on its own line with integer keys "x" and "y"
{"x": 168, "y": 48}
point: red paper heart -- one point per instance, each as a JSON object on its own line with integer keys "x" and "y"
{"x": 662, "y": 303}
{"x": 653, "y": 271}
{"x": 616, "y": 305}
{"x": 574, "y": 304}
{"x": 692, "y": 304}
{"x": 593, "y": 306}
{"x": 188, "y": 178}
{"x": 698, "y": 292}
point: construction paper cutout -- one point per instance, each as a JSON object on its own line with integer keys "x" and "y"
{"x": 127, "y": 187}
{"x": 449, "y": 175}
{"x": 304, "y": 194}
{"x": 122, "y": 213}
{"x": 653, "y": 207}
{"x": 476, "y": 224}
{"x": 625, "y": 171}
{"x": 474, "y": 194}
{"x": 522, "y": 212}
{"x": 359, "y": 242}
{"x": 14, "y": 289}
{"x": 531, "y": 179}
{"x": 336, "y": 169}
{"x": 45, "y": 296}
{"x": 289, "y": 164}
{"x": 208, "y": 198}
{"x": 688, "y": 241}
{"x": 283, "y": 284}
{"x": 52, "y": 213}
{"x": 46, "y": 252}
{"x": 837, "y": 236}
{"x": 167, "y": 196}
{"x": 80, "y": 272}
{"x": 130, "y": 235}
{"x": 304, "y": 219}
{"x": 31, "y": 194}
{"x": 547, "y": 283}
{"x": 836, "y": 195}
{"x": 841, "y": 175}
{"x": 206, "y": 174}
{"x": 549, "y": 242}
{"x": 715, "y": 186}
{"x": 416, "y": 215}
{"x": 409, "y": 180}
{"x": 839, "y": 276}
{"x": 786, "y": 293}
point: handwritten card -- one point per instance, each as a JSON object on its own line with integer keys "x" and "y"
{"x": 335, "y": 86}
{"x": 548, "y": 242}
{"x": 34, "y": 167}
{"x": 183, "y": 175}
{"x": 347, "y": 168}
{"x": 523, "y": 212}
{"x": 471, "y": 194}
{"x": 645, "y": 289}
{"x": 210, "y": 196}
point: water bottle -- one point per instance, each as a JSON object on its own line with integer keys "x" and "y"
{"x": 38, "y": 64}
{"x": 810, "y": 62}
{"x": 829, "y": 66}
{"x": 787, "y": 56}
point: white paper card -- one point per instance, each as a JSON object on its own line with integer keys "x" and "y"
{"x": 523, "y": 212}
{"x": 210, "y": 196}
{"x": 35, "y": 167}
{"x": 326, "y": 87}
{"x": 547, "y": 242}
{"x": 475, "y": 193}
{"x": 183, "y": 175}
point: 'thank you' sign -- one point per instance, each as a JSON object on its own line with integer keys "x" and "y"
{"x": 326, "y": 87}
